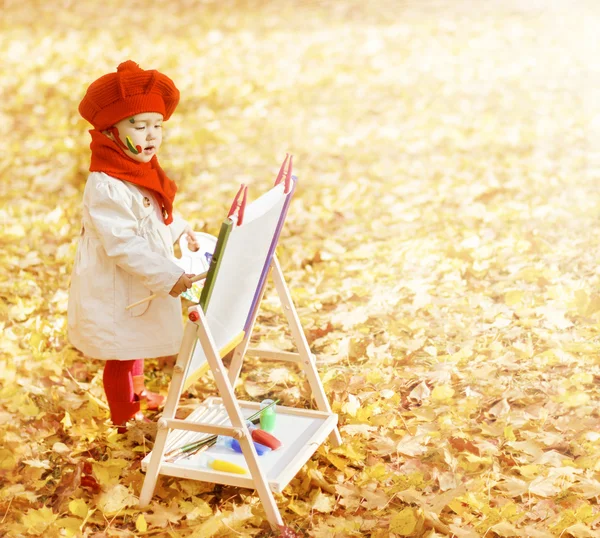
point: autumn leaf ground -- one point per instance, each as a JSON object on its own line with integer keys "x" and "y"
{"x": 442, "y": 250}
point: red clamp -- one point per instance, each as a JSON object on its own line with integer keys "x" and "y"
{"x": 193, "y": 316}
{"x": 287, "y": 174}
{"x": 239, "y": 204}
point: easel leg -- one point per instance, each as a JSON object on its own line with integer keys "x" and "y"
{"x": 237, "y": 420}
{"x": 153, "y": 470}
{"x": 262, "y": 486}
{"x": 308, "y": 359}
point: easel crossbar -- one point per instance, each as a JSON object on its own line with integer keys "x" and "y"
{"x": 271, "y": 355}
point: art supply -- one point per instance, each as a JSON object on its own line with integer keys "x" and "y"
{"x": 234, "y": 444}
{"x": 264, "y": 438}
{"x": 195, "y": 261}
{"x": 267, "y": 416}
{"x": 192, "y": 448}
{"x": 225, "y": 466}
{"x": 192, "y": 295}
{"x": 153, "y": 296}
{"x": 213, "y": 416}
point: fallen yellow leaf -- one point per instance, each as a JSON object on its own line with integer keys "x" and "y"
{"x": 140, "y": 523}
{"x": 405, "y": 522}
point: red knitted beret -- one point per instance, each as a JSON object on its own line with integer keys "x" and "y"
{"x": 129, "y": 91}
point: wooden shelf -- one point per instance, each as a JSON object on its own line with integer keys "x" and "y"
{"x": 300, "y": 430}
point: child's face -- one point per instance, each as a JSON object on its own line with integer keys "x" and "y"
{"x": 145, "y": 134}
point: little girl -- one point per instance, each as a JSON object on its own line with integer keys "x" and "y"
{"x": 125, "y": 251}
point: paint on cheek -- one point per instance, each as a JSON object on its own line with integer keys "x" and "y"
{"x": 134, "y": 149}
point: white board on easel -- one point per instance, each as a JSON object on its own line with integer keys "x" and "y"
{"x": 239, "y": 264}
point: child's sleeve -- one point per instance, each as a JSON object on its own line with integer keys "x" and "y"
{"x": 117, "y": 228}
{"x": 177, "y": 227}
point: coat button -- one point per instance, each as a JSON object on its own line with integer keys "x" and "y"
{"x": 146, "y": 201}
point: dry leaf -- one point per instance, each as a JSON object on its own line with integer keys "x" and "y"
{"x": 116, "y": 499}
{"x": 440, "y": 249}
{"x": 405, "y": 522}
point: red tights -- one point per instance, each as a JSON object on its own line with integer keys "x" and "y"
{"x": 118, "y": 386}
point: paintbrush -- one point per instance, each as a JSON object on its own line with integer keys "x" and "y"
{"x": 191, "y": 448}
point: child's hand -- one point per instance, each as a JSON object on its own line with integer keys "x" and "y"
{"x": 191, "y": 239}
{"x": 183, "y": 284}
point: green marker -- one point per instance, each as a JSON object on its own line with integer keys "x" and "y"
{"x": 267, "y": 415}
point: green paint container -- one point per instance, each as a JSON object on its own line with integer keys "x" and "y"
{"x": 267, "y": 417}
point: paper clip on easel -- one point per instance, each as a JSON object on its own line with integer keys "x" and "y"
{"x": 239, "y": 204}
{"x": 285, "y": 175}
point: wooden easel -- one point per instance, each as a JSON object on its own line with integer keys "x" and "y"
{"x": 300, "y": 430}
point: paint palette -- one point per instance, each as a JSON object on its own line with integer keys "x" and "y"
{"x": 196, "y": 262}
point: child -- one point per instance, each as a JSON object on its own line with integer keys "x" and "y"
{"x": 125, "y": 251}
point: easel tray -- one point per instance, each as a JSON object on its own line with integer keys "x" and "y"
{"x": 300, "y": 430}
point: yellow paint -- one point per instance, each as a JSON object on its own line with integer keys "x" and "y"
{"x": 194, "y": 376}
{"x": 233, "y": 343}
{"x": 226, "y": 467}
{"x": 199, "y": 372}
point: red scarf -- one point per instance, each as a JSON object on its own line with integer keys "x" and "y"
{"x": 107, "y": 157}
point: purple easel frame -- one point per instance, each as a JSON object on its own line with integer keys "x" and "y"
{"x": 265, "y": 272}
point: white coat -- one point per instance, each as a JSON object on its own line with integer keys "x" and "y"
{"x": 125, "y": 254}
